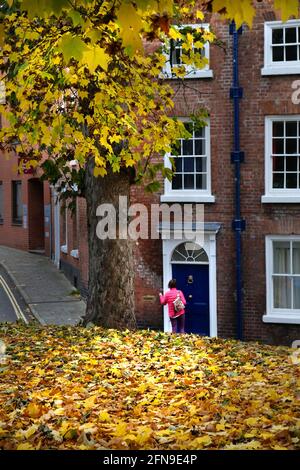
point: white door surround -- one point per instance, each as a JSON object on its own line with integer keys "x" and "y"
{"x": 56, "y": 213}
{"x": 210, "y": 233}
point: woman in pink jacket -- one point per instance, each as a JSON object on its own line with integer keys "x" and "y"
{"x": 168, "y": 298}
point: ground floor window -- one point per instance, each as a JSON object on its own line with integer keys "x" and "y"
{"x": 283, "y": 276}
{"x": 17, "y": 207}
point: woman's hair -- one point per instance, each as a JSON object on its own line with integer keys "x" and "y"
{"x": 172, "y": 284}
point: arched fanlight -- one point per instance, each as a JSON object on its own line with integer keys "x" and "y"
{"x": 189, "y": 252}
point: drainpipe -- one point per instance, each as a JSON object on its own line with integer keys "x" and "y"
{"x": 237, "y": 157}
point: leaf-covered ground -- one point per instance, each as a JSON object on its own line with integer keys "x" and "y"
{"x": 76, "y": 388}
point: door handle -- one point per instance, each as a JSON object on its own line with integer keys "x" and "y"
{"x": 190, "y": 297}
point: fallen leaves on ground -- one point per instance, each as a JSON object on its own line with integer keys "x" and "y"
{"x": 77, "y": 388}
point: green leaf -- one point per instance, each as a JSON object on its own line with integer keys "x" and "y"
{"x": 76, "y": 18}
{"x": 94, "y": 56}
{"x": 131, "y": 24}
{"x": 72, "y": 46}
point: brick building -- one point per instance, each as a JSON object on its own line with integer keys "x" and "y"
{"x": 245, "y": 169}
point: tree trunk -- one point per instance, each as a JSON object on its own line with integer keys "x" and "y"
{"x": 111, "y": 272}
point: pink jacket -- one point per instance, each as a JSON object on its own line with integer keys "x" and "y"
{"x": 169, "y": 298}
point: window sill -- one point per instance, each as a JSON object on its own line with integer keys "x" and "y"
{"x": 266, "y": 71}
{"x": 200, "y": 74}
{"x": 205, "y": 199}
{"x": 282, "y": 318}
{"x": 64, "y": 249}
{"x": 75, "y": 254}
{"x": 280, "y": 199}
{"x": 17, "y": 224}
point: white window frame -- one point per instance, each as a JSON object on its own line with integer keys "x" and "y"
{"x": 64, "y": 247}
{"x": 205, "y": 72}
{"x": 191, "y": 195}
{"x": 276, "y": 315}
{"x": 278, "y": 68}
{"x": 276, "y": 195}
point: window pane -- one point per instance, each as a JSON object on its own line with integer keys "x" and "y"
{"x": 282, "y": 292}
{"x": 201, "y": 182}
{"x": 296, "y": 286}
{"x": 200, "y": 147}
{"x": 201, "y": 165}
{"x": 291, "y": 129}
{"x": 176, "y": 56}
{"x": 189, "y": 165}
{"x": 278, "y": 180}
{"x": 200, "y": 132}
{"x": 291, "y": 163}
{"x": 189, "y": 182}
{"x": 178, "y": 164}
{"x": 278, "y": 129}
{"x": 278, "y": 163}
{"x": 296, "y": 257}
{"x": 291, "y": 53}
{"x": 291, "y": 180}
{"x": 278, "y": 54}
{"x": 278, "y": 146}
{"x": 291, "y": 146}
{"x": 277, "y": 36}
{"x": 187, "y": 147}
{"x": 177, "y": 182}
{"x": 281, "y": 258}
{"x": 290, "y": 35}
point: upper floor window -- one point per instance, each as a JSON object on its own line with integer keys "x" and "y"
{"x": 175, "y": 51}
{"x": 191, "y": 181}
{"x": 17, "y": 206}
{"x": 282, "y": 159}
{"x": 282, "y": 48}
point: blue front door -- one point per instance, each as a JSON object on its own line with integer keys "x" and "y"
{"x": 193, "y": 281}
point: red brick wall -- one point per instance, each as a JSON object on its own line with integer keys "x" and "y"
{"x": 262, "y": 96}
{"x": 13, "y": 235}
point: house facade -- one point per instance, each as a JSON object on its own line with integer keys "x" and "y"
{"x": 244, "y": 168}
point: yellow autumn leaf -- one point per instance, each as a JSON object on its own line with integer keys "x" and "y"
{"x": 120, "y": 430}
{"x": 27, "y": 433}
{"x": 174, "y": 33}
{"x": 25, "y": 446}
{"x": 95, "y": 56}
{"x": 104, "y": 416}
{"x": 33, "y": 410}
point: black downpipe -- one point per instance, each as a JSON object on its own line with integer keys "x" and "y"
{"x": 237, "y": 157}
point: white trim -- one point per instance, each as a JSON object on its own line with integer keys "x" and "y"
{"x": 187, "y": 198}
{"x": 281, "y": 199}
{"x": 64, "y": 249}
{"x": 210, "y": 248}
{"x": 288, "y": 319}
{"x": 286, "y": 70}
{"x": 276, "y": 195}
{"x": 56, "y": 210}
{"x": 276, "y": 315}
{"x": 196, "y": 195}
{"x": 192, "y": 73}
{"x": 277, "y": 68}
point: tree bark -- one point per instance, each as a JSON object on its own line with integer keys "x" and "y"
{"x": 111, "y": 271}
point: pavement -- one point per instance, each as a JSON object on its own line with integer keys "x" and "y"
{"x": 47, "y": 292}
